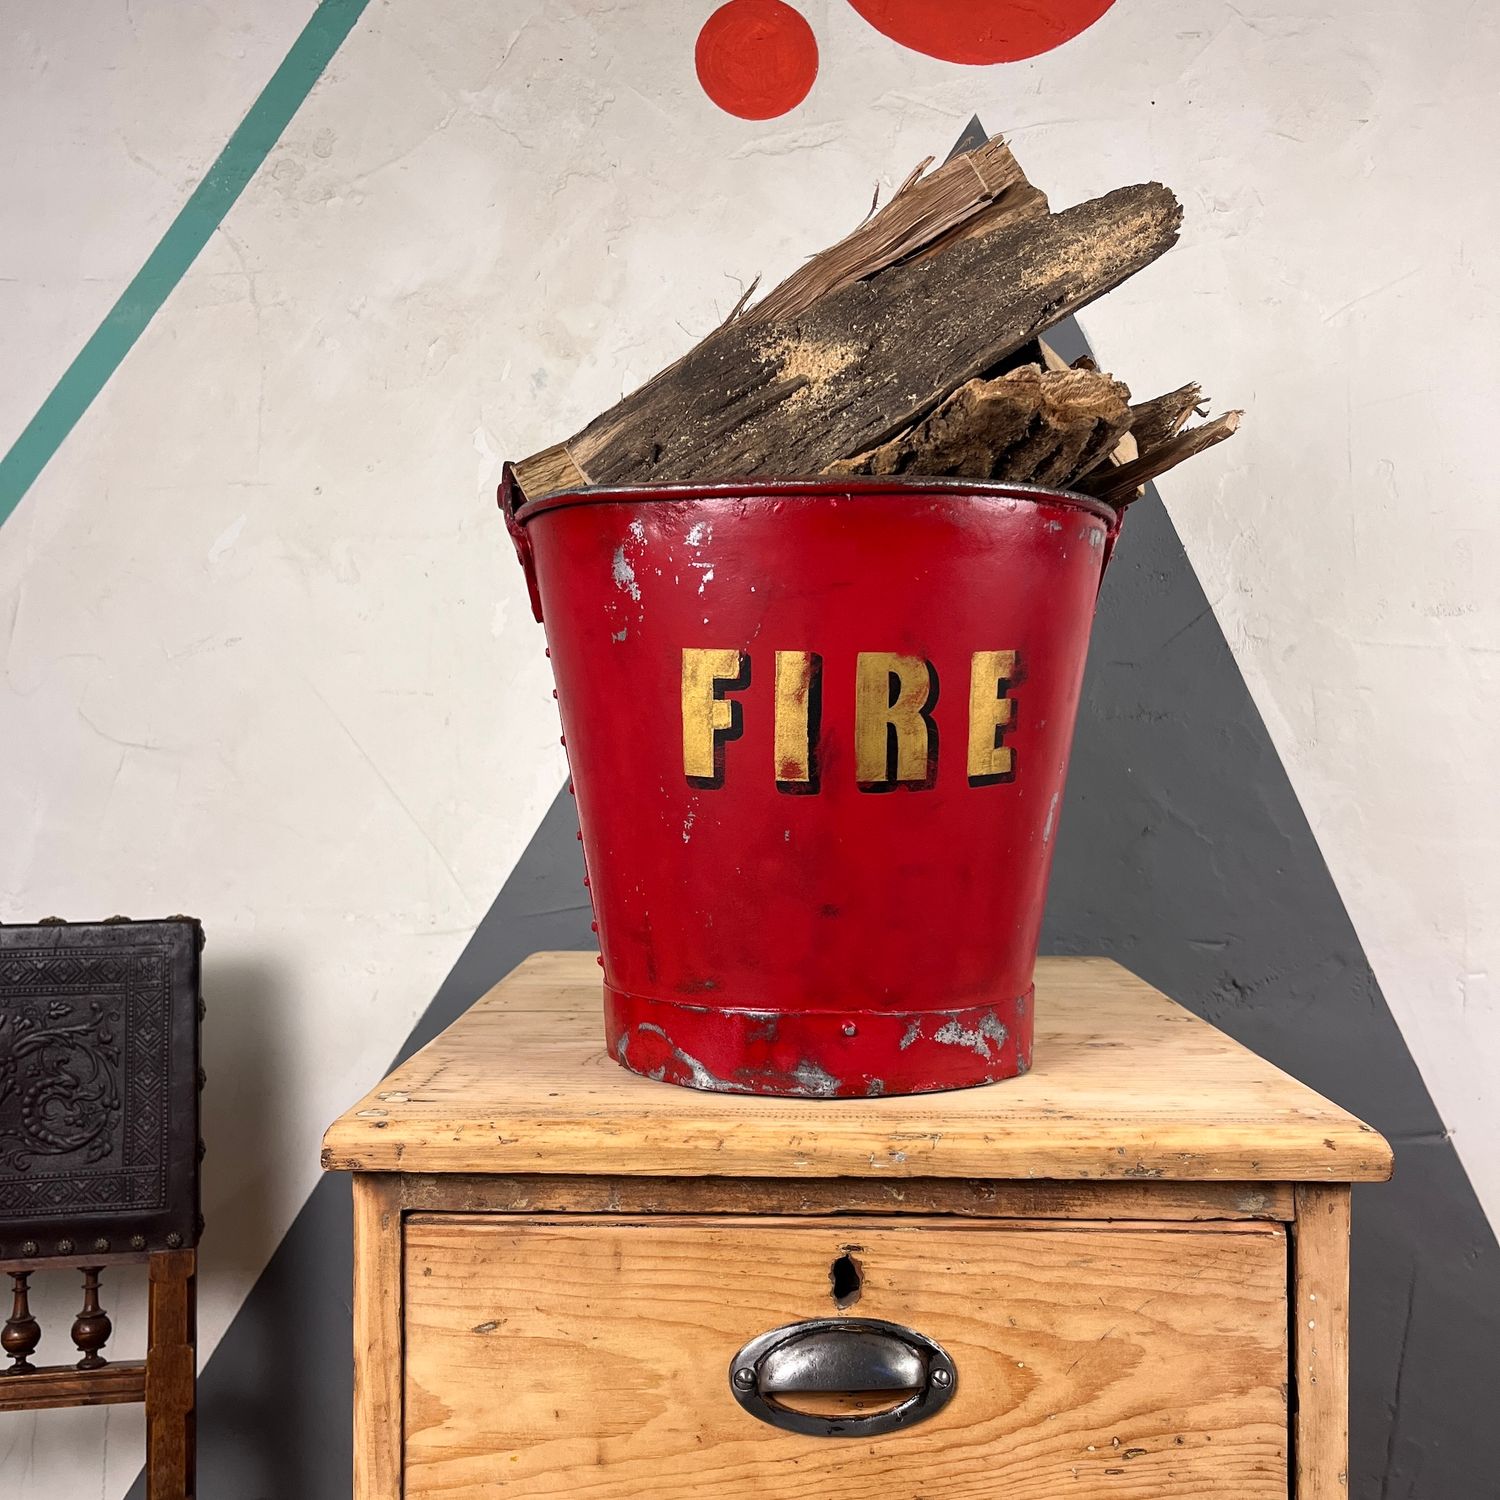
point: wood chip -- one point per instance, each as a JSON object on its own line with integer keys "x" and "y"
{"x": 1119, "y": 486}
{"x": 1153, "y": 422}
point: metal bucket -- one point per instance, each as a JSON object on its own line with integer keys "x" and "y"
{"x": 818, "y": 734}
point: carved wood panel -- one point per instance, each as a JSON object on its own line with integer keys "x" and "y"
{"x": 98, "y": 1087}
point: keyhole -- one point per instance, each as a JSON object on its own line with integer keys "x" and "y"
{"x": 846, "y": 1279}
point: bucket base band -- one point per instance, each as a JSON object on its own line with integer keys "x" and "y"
{"x": 818, "y": 1054}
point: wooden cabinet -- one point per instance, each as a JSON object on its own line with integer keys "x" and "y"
{"x": 1132, "y": 1263}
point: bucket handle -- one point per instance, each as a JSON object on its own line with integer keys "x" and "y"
{"x": 510, "y": 499}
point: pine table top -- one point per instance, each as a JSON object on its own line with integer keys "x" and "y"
{"x": 1127, "y": 1085}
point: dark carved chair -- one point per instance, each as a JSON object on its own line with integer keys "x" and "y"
{"x": 99, "y": 1153}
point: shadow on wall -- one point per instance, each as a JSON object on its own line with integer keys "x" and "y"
{"x": 256, "y": 1424}
{"x": 248, "y": 1067}
{"x": 275, "y": 1398}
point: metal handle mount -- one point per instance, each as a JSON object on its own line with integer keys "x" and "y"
{"x": 842, "y": 1356}
{"x": 510, "y": 500}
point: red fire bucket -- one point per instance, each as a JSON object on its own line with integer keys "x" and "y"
{"x": 818, "y": 734}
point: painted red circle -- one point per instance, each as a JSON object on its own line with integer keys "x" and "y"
{"x": 756, "y": 58}
{"x": 981, "y": 31}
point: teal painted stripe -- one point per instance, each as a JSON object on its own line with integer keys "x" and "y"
{"x": 188, "y": 233}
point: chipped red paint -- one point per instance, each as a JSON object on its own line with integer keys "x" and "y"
{"x": 818, "y": 1054}
{"x": 834, "y": 937}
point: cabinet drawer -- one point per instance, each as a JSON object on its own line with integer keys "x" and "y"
{"x": 591, "y": 1357}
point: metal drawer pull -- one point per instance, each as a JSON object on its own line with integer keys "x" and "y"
{"x": 842, "y": 1356}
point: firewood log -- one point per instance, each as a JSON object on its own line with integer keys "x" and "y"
{"x": 865, "y": 361}
{"x": 971, "y": 195}
{"x": 1044, "y": 427}
{"x": 1154, "y": 422}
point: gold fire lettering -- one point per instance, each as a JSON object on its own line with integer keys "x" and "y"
{"x": 990, "y": 714}
{"x": 796, "y": 717}
{"x": 895, "y": 739}
{"x": 708, "y": 718}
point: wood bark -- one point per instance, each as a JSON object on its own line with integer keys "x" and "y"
{"x": 971, "y": 195}
{"x": 1030, "y": 425}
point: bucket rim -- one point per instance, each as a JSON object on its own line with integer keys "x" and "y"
{"x": 810, "y": 489}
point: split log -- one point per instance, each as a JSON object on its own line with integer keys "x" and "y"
{"x": 1028, "y": 425}
{"x": 1119, "y": 486}
{"x": 1156, "y": 421}
{"x": 1125, "y": 450}
{"x": 866, "y": 361}
{"x": 970, "y": 195}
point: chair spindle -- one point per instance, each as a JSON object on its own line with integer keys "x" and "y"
{"x": 92, "y": 1327}
{"x": 22, "y": 1333}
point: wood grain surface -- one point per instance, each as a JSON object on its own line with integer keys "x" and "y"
{"x": 831, "y": 1196}
{"x": 172, "y": 1377}
{"x": 376, "y": 1313}
{"x": 67, "y": 1385}
{"x": 1127, "y": 1085}
{"x": 1320, "y": 1341}
{"x": 590, "y": 1359}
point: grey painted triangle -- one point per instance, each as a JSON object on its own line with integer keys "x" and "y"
{"x": 974, "y": 134}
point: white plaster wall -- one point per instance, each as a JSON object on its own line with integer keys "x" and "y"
{"x": 266, "y": 656}
{"x": 111, "y": 113}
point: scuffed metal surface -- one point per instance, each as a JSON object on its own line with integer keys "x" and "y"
{"x": 817, "y": 1054}
{"x": 815, "y": 1082}
{"x": 698, "y": 1076}
{"x": 985, "y": 1039}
